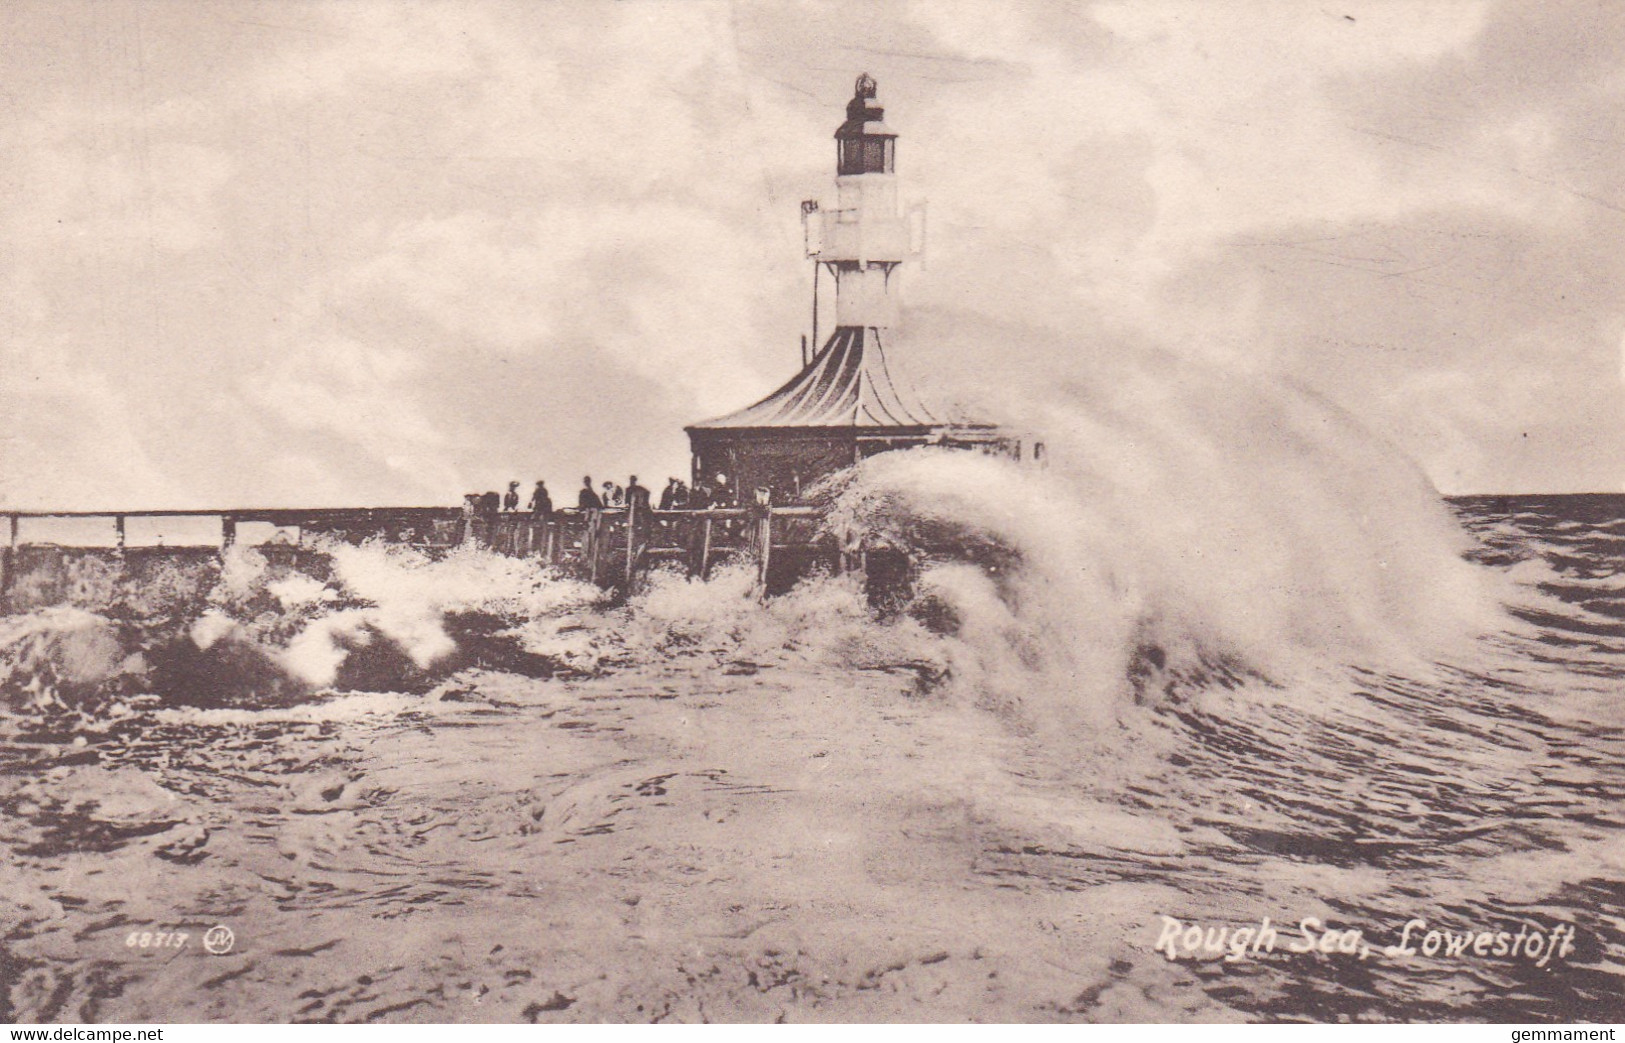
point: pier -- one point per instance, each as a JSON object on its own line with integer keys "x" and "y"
{"x": 613, "y": 547}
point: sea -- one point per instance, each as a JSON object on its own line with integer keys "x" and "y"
{"x": 1303, "y": 751}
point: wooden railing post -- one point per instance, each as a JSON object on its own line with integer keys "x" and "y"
{"x": 228, "y": 531}
{"x": 631, "y": 541}
{"x": 589, "y": 548}
{"x": 118, "y": 530}
{"x": 705, "y": 549}
{"x": 764, "y": 543}
{"x": 8, "y": 558}
{"x": 595, "y": 542}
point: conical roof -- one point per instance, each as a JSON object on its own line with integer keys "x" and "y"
{"x": 848, "y": 384}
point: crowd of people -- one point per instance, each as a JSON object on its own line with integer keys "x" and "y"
{"x": 676, "y": 496}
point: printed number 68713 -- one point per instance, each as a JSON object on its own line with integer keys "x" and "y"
{"x": 156, "y": 939}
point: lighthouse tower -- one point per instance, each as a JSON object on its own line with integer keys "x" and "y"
{"x": 846, "y": 403}
{"x": 864, "y": 238}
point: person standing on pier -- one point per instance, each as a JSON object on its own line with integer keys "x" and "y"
{"x": 637, "y": 497}
{"x": 588, "y": 500}
{"x": 541, "y": 504}
{"x": 510, "y": 502}
{"x": 541, "y": 517}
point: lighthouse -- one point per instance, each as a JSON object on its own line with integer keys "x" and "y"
{"x": 864, "y": 239}
{"x": 847, "y": 402}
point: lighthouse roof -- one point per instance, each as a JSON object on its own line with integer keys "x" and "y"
{"x": 847, "y": 384}
{"x": 864, "y": 116}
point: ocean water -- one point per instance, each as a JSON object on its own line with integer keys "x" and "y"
{"x": 1121, "y": 727}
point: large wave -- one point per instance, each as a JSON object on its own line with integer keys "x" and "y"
{"x": 1187, "y": 522}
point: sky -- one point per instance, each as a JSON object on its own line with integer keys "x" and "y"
{"x": 353, "y": 253}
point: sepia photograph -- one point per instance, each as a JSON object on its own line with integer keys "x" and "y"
{"x": 812, "y": 511}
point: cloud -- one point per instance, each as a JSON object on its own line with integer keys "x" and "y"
{"x": 394, "y": 252}
{"x": 1320, "y": 196}
{"x": 161, "y": 197}
{"x": 42, "y": 396}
